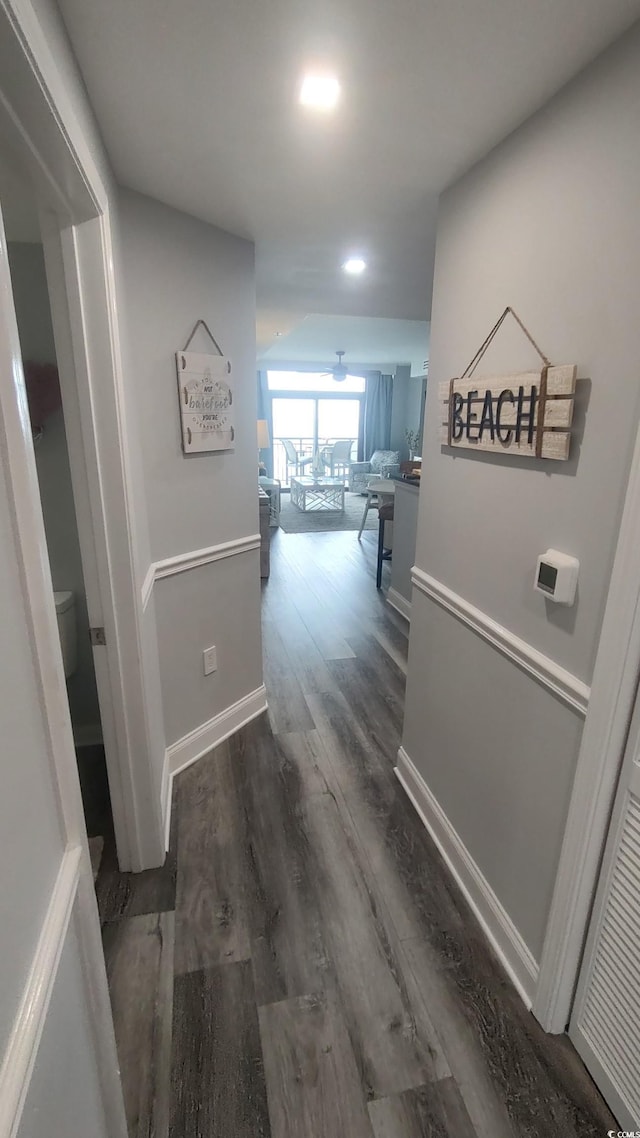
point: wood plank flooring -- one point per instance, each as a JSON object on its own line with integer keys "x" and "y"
{"x": 304, "y": 966}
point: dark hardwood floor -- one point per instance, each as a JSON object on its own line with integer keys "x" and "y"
{"x": 304, "y": 966}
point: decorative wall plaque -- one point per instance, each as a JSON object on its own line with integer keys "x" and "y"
{"x": 528, "y": 414}
{"x": 206, "y": 402}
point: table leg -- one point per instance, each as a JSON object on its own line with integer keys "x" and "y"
{"x": 381, "y": 525}
{"x": 367, "y": 506}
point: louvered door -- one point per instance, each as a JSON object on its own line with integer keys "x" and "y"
{"x": 605, "y": 1024}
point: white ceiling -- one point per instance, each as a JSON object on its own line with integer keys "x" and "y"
{"x": 197, "y": 104}
{"x": 365, "y": 340}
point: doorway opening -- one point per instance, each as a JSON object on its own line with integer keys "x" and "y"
{"x": 316, "y": 426}
{"x": 51, "y": 451}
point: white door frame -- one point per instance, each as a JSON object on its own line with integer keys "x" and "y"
{"x": 36, "y": 115}
{"x": 590, "y": 1041}
{"x": 73, "y": 897}
{"x": 84, "y": 477}
{"x": 613, "y": 690}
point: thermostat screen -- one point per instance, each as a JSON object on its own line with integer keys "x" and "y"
{"x": 547, "y": 577}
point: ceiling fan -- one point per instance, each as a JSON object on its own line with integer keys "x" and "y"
{"x": 339, "y": 371}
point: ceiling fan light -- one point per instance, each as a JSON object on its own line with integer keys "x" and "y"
{"x": 340, "y": 370}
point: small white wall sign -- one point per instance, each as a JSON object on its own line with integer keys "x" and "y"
{"x": 206, "y": 402}
{"x": 528, "y": 414}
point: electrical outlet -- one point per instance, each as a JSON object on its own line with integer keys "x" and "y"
{"x": 210, "y": 657}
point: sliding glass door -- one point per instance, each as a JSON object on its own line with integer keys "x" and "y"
{"x": 337, "y": 419}
{"x": 295, "y": 419}
{"x": 314, "y": 418}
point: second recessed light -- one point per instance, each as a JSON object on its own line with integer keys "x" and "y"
{"x": 354, "y": 265}
{"x": 320, "y": 92}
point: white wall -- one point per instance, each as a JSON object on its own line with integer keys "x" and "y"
{"x": 176, "y": 269}
{"x": 415, "y": 402}
{"x": 406, "y": 413}
{"x": 405, "y": 525}
{"x": 31, "y": 300}
{"x": 548, "y": 223}
{"x": 399, "y": 410}
{"x": 418, "y": 365}
{"x": 74, "y": 106}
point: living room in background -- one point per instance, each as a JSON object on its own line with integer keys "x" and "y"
{"x": 312, "y": 412}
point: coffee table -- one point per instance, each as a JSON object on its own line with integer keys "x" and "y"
{"x": 315, "y": 494}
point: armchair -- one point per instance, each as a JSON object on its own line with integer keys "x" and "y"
{"x": 382, "y": 464}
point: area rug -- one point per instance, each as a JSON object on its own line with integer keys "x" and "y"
{"x": 293, "y": 520}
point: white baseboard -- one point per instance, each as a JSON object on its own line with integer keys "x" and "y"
{"x": 399, "y": 603}
{"x": 203, "y": 739}
{"x": 166, "y": 791}
{"x": 511, "y": 950}
{"x": 24, "y": 1040}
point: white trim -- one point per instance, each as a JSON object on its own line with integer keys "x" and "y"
{"x": 129, "y": 739}
{"x": 203, "y": 739}
{"x": 193, "y": 559}
{"x": 22, "y": 1047}
{"x": 166, "y": 792}
{"x": 87, "y": 928}
{"x": 615, "y": 679}
{"x": 557, "y": 679}
{"x": 170, "y": 565}
{"x": 399, "y": 603}
{"x": 510, "y": 948}
{"x": 147, "y": 586}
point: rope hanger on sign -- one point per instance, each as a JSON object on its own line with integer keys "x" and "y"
{"x": 209, "y": 334}
{"x": 473, "y": 363}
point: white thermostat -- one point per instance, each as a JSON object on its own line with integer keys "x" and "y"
{"x": 557, "y": 576}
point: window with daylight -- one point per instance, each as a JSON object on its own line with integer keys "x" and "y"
{"x": 313, "y": 411}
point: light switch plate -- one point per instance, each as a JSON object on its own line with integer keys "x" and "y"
{"x": 210, "y": 657}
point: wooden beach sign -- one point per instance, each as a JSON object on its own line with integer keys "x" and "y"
{"x": 527, "y": 414}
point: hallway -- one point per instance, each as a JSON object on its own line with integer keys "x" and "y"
{"x": 303, "y": 966}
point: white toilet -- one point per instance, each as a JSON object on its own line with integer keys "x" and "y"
{"x": 66, "y": 613}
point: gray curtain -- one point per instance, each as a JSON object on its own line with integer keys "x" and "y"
{"x": 377, "y": 413}
{"x": 264, "y": 412}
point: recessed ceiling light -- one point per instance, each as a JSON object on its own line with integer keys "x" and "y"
{"x": 277, "y": 333}
{"x": 321, "y": 92}
{"x": 354, "y": 265}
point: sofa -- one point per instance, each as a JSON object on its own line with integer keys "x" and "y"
{"x": 382, "y": 464}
